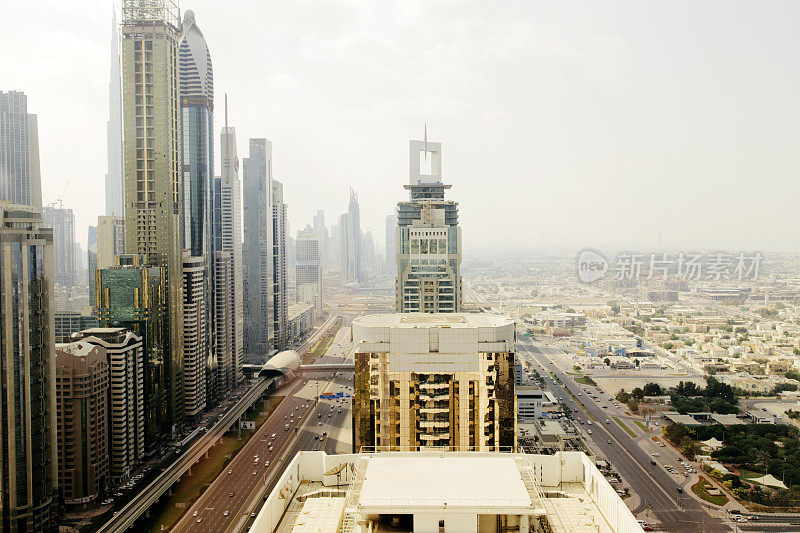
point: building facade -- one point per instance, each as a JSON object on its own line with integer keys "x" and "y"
{"x": 257, "y": 251}
{"x": 151, "y": 163}
{"x": 28, "y": 465}
{"x": 391, "y": 252}
{"x": 63, "y": 223}
{"x": 133, "y": 296}
{"x": 110, "y": 240}
{"x": 82, "y": 383}
{"x": 280, "y": 296}
{"x": 350, "y": 241}
{"x": 68, "y": 322}
{"x": 115, "y": 197}
{"x": 195, "y": 335}
{"x": 308, "y": 271}
{"x": 125, "y": 355}
{"x": 227, "y": 235}
{"x": 444, "y": 380}
{"x": 20, "y": 178}
{"x": 428, "y": 240}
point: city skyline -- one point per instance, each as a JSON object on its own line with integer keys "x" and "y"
{"x": 580, "y": 137}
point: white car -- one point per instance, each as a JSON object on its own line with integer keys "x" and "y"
{"x": 225, "y": 513}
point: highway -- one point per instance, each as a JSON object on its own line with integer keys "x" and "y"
{"x": 658, "y": 491}
{"x": 299, "y": 423}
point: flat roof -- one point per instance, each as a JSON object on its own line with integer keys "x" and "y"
{"x": 319, "y": 514}
{"x": 434, "y": 320}
{"x": 457, "y": 481}
{"x": 686, "y": 420}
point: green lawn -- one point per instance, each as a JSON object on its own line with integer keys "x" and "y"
{"x": 700, "y": 488}
{"x": 585, "y": 380}
{"x": 641, "y": 425}
{"x": 189, "y": 488}
{"x": 628, "y": 430}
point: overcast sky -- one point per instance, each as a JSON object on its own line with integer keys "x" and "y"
{"x": 563, "y": 123}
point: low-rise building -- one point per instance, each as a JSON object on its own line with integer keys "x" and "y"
{"x": 529, "y": 403}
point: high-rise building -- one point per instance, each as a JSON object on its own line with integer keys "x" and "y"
{"x": 115, "y": 189}
{"x": 63, "y": 223}
{"x": 197, "y": 109}
{"x": 280, "y": 295}
{"x": 195, "y": 335}
{"x": 28, "y": 454}
{"x": 110, "y": 240}
{"x": 257, "y": 251}
{"x": 133, "y": 296}
{"x": 91, "y": 259}
{"x": 434, "y": 380}
{"x": 152, "y": 159}
{"x": 391, "y": 254}
{"x": 68, "y": 322}
{"x": 429, "y": 240}
{"x": 125, "y": 356}
{"x": 350, "y": 241}
{"x": 82, "y": 385}
{"x": 308, "y": 271}
{"x": 219, "y": 373}
{"x": 20, "y": 178}
{"x": 227, "y": 236}
{"x": 197, "y": 125}
{"x": 322, "y": 234}
{"x": 367, "y": 253}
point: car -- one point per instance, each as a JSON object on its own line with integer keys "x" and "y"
{"x": 273, "y": 435}
{"x": 608, "y": 421}
{"x": 320, "y": 423}
{"x": 589, "y": 431}
{"x": 296, "y": 408}
{"x": 270, "y": 448}
{"x": 225, "y": 513}
{"x": 254, "y": 472}
{"x": 230, "y": 494}
{"x": 680, "y": 490}
{"x": 589, "y": 422}
{"x": 194, "y": 513}
{"x": 652, "y": 461}
{"x": 199, "y": 519}
{"x": 609, "y": 441}
{"x": 316, "y": 437}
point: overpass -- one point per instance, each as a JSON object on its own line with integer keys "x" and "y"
{"x": 327, "y": 367}
{"x": 126, "y": 516}
{"x": 284, "y": 366}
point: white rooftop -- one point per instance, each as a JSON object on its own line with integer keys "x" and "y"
{"x": 457, "y": 481}
{"x": 434, "y": 320}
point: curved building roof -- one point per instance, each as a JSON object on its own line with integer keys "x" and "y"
{"x": 196, "y": 73}
{"x": 282, "y": 363}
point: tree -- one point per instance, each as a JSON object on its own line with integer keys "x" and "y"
{"x": 638, "y": 393}
{"x": 636, "y": 362}
{"x": 607, "y": 361}
{"x": 633, "y": 406}
{"x": 652, "y": 389}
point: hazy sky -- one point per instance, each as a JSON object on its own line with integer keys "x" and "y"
{"x": 563, "y": 123}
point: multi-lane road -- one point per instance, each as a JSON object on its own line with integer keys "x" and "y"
{"x": 300, "y": 422}
{"x": 659, "y": 492}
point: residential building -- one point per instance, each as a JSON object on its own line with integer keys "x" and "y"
{"x": 442, "y": 380}
{"x": 20, "y": 177}
{"x": 195, "y": 335}
{"x": 110, "y": 240}
{"x": 227, "y": 235}
{"x": 300, "y": 321}
{"x": 429, "y": 240}
{"x": 391, "y": 253}
{"x": 126, "y": 436}
{"x": 63, "y": 223}
{"x": 114, "y": 183}
{"x": 444, "y": 492}
{"x": 151, "y": 162}
{"x": 308, "y": 271}
{"x": 219, "y": 372}
{"x": 257, "y": 251}
{"x": 280, "y": 297}
{"x": 133, "y": 296}
{"x": 28, "y": 449}
{"x": 82, "y": 399}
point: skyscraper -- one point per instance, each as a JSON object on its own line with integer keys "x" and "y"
{"x": 110, "y": 240}
{"x": 82, "y": 372}
{"x": 429, "y": 250}
{"x": 257, "y": 251}
{"x": 279, "y": 266}
{"x": 152, "y": 151}
{"x": 350, "y": 241}
{"x": 115, "y": 198}
{"x": 133, "y": 296}
{"x": 197, "y": 108}
{"x": 308, "y": 272}
{"x": 322, "y": 234}
{"x": 28, "y": 454}
{"x": 227, "y": 236}
{"x": 20, "y": 180}
{"x": 63, "y": 223}
{"x": 91, "y": 260}
{"x": 391, "y": 259}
